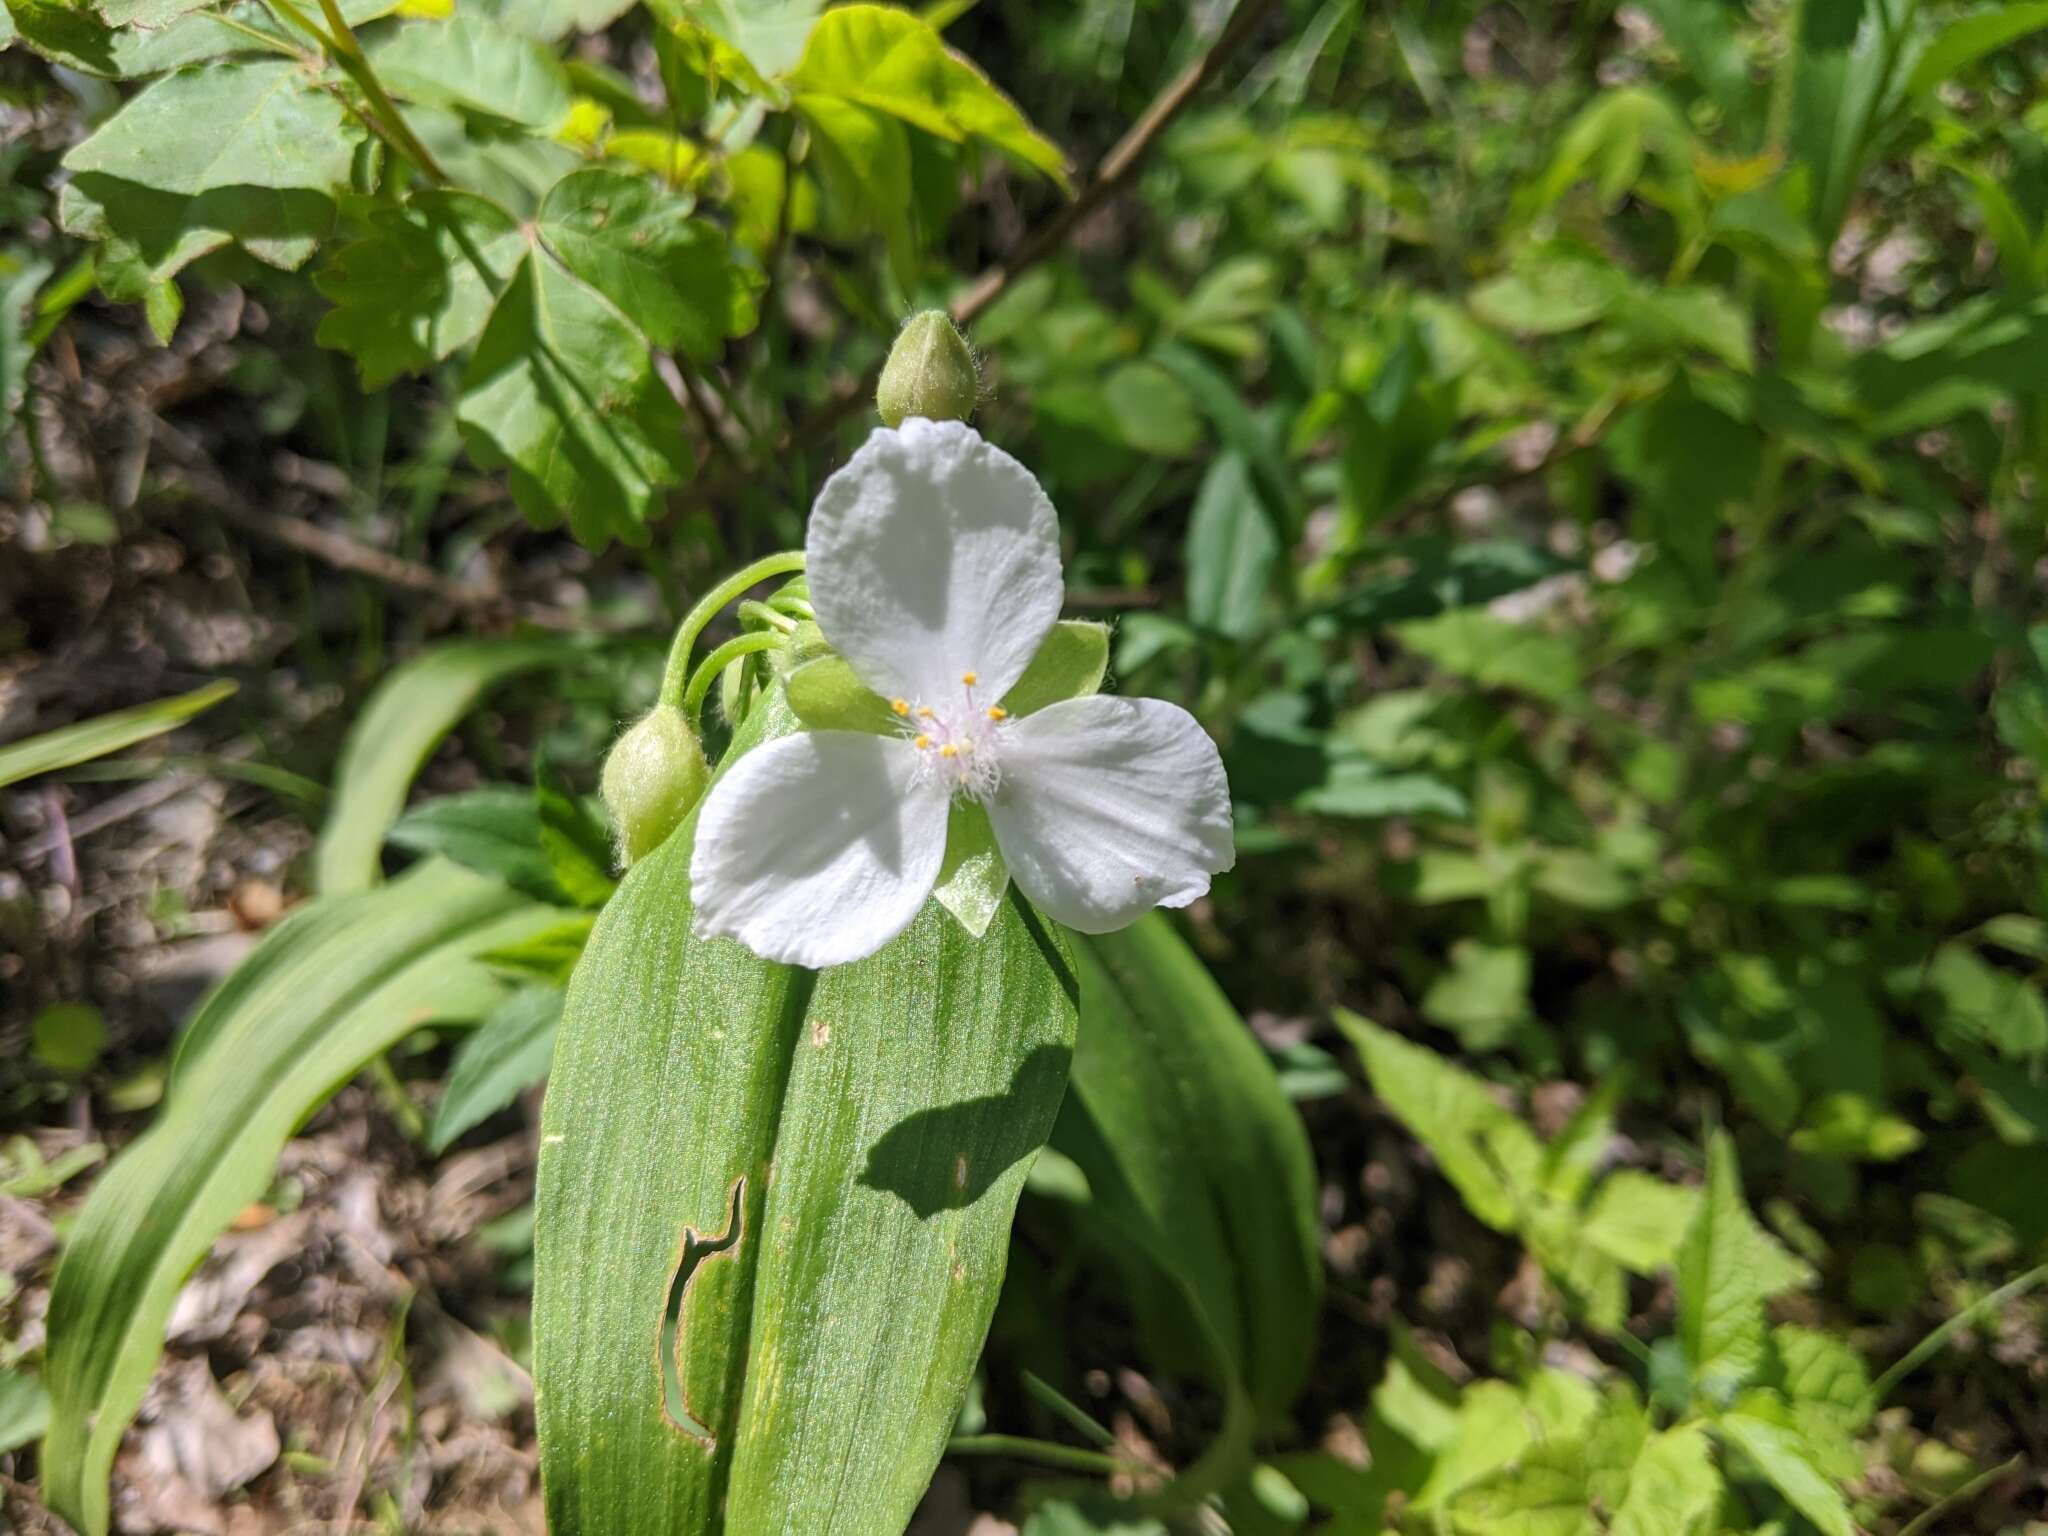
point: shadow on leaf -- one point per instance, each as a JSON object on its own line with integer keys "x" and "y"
{"x": 946, "y": 1158}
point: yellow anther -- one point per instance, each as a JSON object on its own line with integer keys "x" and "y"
{"x": 949, "y": 750}
{"x": 901, "y": 706}
{"x": 924, "y": 712}
{"x": 922, "y": 742}
{"x": 997, "y": 712}
{"x": 967, "y": 678}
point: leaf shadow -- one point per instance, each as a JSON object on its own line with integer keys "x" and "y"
{"x": 947, "y": 1158}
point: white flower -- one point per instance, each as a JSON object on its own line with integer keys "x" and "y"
{"x": 933, "y": 560}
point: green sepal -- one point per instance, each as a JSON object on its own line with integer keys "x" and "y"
{"x": 1070, "y": 665}
{"x": 974, "y": 876}
{"x": 828, "y": 695}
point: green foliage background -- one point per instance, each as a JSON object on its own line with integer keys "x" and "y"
{"x": 1585, "y": 467}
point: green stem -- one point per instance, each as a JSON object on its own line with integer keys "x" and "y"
{"x": 1044, "y": 1452}
{"x": 675, "y": 679}
{"x": 340, "y": 43}
{"x": 1936, "y": 1341}
{"x": 1924, "y": 1521}
{"x": 756, "y": 614}
{"x": 728, "y": 653}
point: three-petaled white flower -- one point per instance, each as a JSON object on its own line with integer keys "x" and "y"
{"x": 934, "y": 567}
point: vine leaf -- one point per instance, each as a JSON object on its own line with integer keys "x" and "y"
{"x": 250, "y": 152}
{"x": 562, "y": 393}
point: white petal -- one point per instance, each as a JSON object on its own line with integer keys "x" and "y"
{"x": 1110, "y": 807}
{"x": 816, "y": 849}
{"x": 930, "y": 555}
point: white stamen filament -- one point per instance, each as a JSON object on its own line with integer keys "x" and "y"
{"x": 957, "y": 744}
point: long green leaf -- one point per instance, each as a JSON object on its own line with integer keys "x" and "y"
{"x": 1196, "y": 1159}
{"x": 109, "y": 733}
{"x": 774, "y": 1210}
{"x": 404, "y": 720}
{"x": 326, "y": 990}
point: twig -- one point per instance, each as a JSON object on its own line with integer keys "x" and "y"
{"x": 1924, "y": 1521}
{"x": 347, "y": 554}
{"x": 1110, "y": 173}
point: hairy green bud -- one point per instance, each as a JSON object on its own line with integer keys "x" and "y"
{"x": 655, "y": 773}
{"x": 930, "y": 373}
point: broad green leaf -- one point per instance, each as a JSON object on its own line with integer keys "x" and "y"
{"x": 73, "y": 36}
{"x": 550, "y": 20}
{"x": 1963, "y": 42}
{"x": 894, "y": 62}
{"x": 1780, "y": 1454}
{"x": 1484, "y": 994}
{"x": 631, "y": 239}
{"x": 421, "y": 284}
{"x": 1489, "y": 1156}
{"x": 1495, "y": 653}
{"x": 24, "y": 1410}
{"x": 478, "y": 67}
{"x": 1674, "y": 1488}
{"x": 1728, "y": 1266}
{"x": 1639, "y": 1220}
{"x": 1197, "y": 1161}
{"x": 863, "y": 157}
{"x": 503, "y": 1057}
{"x": 813, "y": 1334}
{"x": 252, "y": 152}
{"x": 1232, "y": 547}
{"x": 494, "y": 831}
{"x": 769, "y": 34}
{"x": 1542, "y": 1494}
{"x": 331, "y": 986}
{"x": 1151, "y": 410}
{"x": 108, "y": 733}
{"x": 562, "y": 393}
{"x": 398, "y": 729}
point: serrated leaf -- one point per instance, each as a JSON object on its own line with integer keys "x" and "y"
{"x": 632, "y": 240}
{"x": 1639, "y": 1220}
{"x": 1543, "y": 1494}
{"x": 251, "y": 152}
{"x": 401, "y": 723}
{"x": 894, "y": 62}
{"x": 1728, "y": 1266}
{"x": 1674, "y": 1488}
{"x": 1490, "y": 1157}
{"x": 1781, "y": 1456}
{"x": 478, "y": 67}
{"x": 562, "y": 393}
{"x": 504, "y": 1056}
{"x": 333, "y": 984}
{"x": 1232, "y": 547}
{"x": 421, "y": 284}
{"x": 812, "y": 1346}
{"x": 106, "y": 733}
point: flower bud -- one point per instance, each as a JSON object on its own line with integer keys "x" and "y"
{"x": 655, "y": 773}
{"x": 930, "y": 373}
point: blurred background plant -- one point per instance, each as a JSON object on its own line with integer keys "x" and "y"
{"x": 1582, "y": 463}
